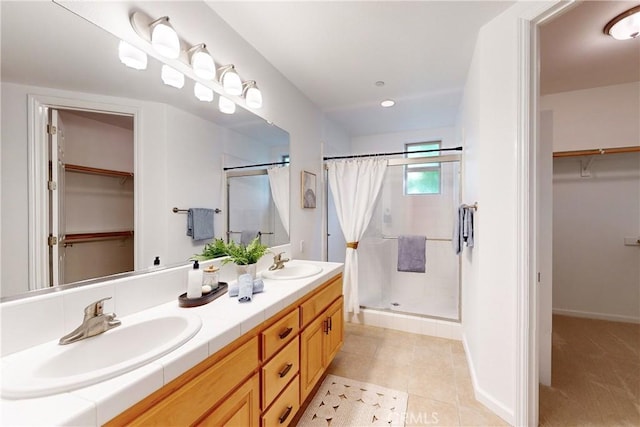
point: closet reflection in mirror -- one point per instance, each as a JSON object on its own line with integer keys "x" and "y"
{"x": 180, "y": 146}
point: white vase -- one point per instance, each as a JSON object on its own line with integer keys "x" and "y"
{"x": 246, "y": 269}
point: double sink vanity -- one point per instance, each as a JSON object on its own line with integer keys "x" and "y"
{"x": 223, "y": 363}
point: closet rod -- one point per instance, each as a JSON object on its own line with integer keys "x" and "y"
{"x": 597, "y": 151}
{"x": 355, "y": 156}
{"x": 260, "y": 233}
{"x": 428, "y": 239}
{"x": 176, "y": 210}
{"x": 257, "y": 165}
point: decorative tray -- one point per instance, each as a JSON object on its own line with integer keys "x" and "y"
{"x": 222, "y": 288}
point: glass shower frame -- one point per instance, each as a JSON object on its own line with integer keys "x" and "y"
{"x": 456, "y": 199}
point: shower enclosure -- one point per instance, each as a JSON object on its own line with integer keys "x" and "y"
{"x": 435, "y": 293}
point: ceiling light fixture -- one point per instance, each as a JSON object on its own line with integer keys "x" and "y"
{"x": 131, "y": 56}
{"x": 202, "y": 92}
{"x": 252, "y": 94}
{"x": 388, "y": 103}
{"x": 230, "y": 80}
{"x": 226, "y": 105}
{"x": 160, "y": 33}
{"x": 624, "y": 26}
{"x": 202, "y": 62}
{"x": 172, "y": 77}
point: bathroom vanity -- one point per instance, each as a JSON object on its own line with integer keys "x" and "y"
{"x": 250, "y": 364}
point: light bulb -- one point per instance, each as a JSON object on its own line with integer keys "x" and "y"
{"x": 202, "y": 92}
{"x": 231, "y": 81}
{"x": 172, "y": 77}
{"x": 202, "y": 63}
{"x": 253, "y": 97}
{"x": 626, "y": 28}
{"x": 131, "y": 56}
{"x": 226, "y": 105}
{"x": 164, "y": 38}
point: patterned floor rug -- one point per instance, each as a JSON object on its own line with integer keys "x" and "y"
{"x": 341, "y": 402}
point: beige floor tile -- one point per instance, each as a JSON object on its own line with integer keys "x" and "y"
{"x": 359, "y": 344}
{"x": 386, "y": 373}
{"x": 474, "y": 417}
{"x": 348, "y": 365}
{"x": 427, "y": 412}
{"x": 399, "y": 355}
{"x": 437, "y": 386}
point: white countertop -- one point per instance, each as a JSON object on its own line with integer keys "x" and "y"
{"x": 223, "y": 321}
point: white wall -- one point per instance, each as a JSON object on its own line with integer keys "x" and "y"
{"x": 488, "y": 129}
{"x": 601, "y": 117}
{"x": 594, "y": 274}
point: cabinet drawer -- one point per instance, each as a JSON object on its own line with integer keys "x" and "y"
{"x": 239, "y": 409}
{"x": 280, "y": 333}
{"x": 278, "y": 372}
{"x": 316, "y": 304}
{"x": 195, "y": 398}
{"x": 284, "y": 408}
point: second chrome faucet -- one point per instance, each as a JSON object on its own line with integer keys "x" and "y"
{"x": 278, "y": 262}
{"x": 95, "y": 322}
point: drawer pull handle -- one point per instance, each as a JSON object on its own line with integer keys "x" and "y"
{"x": 330, "y": 324}
{"x": 325, "y": 326}
{"x": 284, "y": 416}
{"x": 285, "y": 333}
{"x": 286, "y": 370}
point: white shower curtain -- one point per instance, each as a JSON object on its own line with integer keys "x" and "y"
{"x": 355, "y": 185}
{"x": 279, "y": 183}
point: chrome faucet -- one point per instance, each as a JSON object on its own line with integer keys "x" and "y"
{"x": 278, "y": 262}
{"x": 95, "y": 322}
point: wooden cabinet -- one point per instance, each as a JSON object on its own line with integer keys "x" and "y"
{"x": 241, "y": 409}
{"x": 261, "y": 379}
{"x": 319, "y": 344}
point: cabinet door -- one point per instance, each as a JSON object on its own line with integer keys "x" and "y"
{"x": 241, "y": 409}
{"x": 311, "y": 355}
{"x": 334, "y": 339}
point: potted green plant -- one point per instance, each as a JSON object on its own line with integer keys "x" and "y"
{"x": 245, "y": 256}
{"x": 215, "y": 249}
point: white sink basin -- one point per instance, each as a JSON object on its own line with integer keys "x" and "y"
{"x": 51, "y": 368}
{"x": 293, "y": 270}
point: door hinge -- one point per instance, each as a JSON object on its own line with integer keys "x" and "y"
{"x": 51, "y": 129}
{"x": 53, "y": 240}
{"x": 51, "y": 185}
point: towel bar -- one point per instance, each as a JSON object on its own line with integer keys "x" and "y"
{"x": 176, "y": 210}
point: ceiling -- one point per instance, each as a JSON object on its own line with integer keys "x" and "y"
{"x": 334, "y": 52}
{"x": 576, "y": 54}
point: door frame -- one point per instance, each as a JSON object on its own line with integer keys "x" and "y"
{"x": 527, "y": 162}
{"x": 37, "y": 170}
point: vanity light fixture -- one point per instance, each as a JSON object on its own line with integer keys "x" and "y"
{"x": 164, "y": 38}
{"x": 226, "y": 105}
{"x": 252, "y": 94}
{"x": 202, "y": 62}
{"x": 388, "y": 103}
{"x": 230, "y": 80}
{"x": 202, "y": 92}
{"x": 625, "y": 26}
{"x": 172, "y": 77}
{"x": 131, "y": 56}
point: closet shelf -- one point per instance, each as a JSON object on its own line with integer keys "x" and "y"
{"x": 97, "y": 171}
{"x": 597, "y": 151}
{"x": 92, "y": 237}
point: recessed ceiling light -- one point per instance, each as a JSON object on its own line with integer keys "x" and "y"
{"x": 379, "y": 83}
{"x": 388, "y": 103}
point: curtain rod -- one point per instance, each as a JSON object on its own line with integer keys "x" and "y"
{"x": 596, "y": 151}
{"x": 255, "y": 166}
{"x": 392, "y": 154}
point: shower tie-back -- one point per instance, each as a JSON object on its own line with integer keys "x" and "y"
{"x": 352, "y": 245}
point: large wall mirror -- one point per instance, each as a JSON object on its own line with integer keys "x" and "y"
{"x": 127, "y": 150}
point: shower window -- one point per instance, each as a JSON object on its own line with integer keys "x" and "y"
{"x": 423, "y": 178}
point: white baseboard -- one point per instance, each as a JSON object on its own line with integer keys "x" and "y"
{"x": 599, "y": 316}
{"x": 482, "y": 396}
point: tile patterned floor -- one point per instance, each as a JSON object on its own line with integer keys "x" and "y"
{"x": 432, "y": 370}
{"x": 595, "y": 374}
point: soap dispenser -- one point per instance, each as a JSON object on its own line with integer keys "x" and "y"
{"x": 194, "y": 282}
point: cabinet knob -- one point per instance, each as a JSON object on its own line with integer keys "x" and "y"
{"x": 286, "y": 370}
{"x": 285, "y": 333}
{"x": 284, "y": 416}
